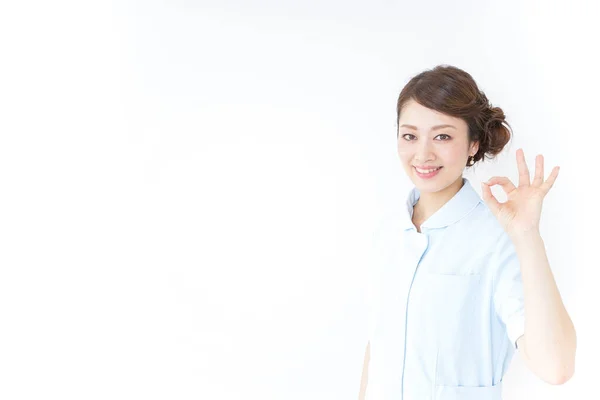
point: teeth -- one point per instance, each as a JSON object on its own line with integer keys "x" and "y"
{"x": 426, "y": 171}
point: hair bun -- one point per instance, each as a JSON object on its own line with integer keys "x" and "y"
{"x": 495, "y": 118}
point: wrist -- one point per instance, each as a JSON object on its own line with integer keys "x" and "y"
{"x": 525, "y": 238}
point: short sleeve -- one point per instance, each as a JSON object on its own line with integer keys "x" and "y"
{"x": 508, "y": 289}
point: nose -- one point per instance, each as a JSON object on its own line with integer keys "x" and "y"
{"x": 424, "y": 152}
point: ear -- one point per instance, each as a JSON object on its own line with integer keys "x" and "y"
{"x": 474, "y": 148}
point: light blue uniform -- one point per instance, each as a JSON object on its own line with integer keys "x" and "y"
{"x": 446, "y": 304}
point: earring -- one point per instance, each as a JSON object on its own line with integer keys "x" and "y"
{"x": 471, "y": 161}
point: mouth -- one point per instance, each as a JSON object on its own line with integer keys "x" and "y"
{"x": 427, "y": 173}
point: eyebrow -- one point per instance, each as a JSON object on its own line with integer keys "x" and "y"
{"x": 433, "y": 128}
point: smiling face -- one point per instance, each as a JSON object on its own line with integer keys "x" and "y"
{"x": 431, "y": 140}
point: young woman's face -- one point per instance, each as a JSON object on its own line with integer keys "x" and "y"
{"x": 422, "y": 143}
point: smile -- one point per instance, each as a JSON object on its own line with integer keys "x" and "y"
{"x": 427, "y": 173}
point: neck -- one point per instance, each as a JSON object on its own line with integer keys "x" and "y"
{"x": 429, "y": 203}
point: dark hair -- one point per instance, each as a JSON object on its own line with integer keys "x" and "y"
{"x": 452, "y": 91}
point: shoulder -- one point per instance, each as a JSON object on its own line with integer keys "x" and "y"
{"x": 479, "y": 237}
{"x": 484, "y": 224}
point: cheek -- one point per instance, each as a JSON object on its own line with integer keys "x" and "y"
{"x": 452, "y": 154}
{"x": 404, "y": 155}
{"x": 403, "y": 151}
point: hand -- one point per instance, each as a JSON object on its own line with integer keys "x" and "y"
{"x": 521, "y": 212}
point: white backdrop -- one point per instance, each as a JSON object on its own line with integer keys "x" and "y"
{"x": 187, "y": 189}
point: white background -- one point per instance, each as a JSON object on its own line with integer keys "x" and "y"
{"x": 187, "y": 189}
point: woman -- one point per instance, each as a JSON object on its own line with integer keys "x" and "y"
{"x": 461, "y": 282}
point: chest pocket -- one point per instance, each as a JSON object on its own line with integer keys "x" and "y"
{"x": 452, "y": 311}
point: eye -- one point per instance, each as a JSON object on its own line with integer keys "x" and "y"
{"x": 407, "y": 134}
{"x": 443, "y": 134}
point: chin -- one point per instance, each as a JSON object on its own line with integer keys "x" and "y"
{"x": 429, "y": 188}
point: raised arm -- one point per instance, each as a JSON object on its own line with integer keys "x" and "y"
{"x": 549, "y": 344}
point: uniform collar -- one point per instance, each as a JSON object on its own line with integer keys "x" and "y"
{"x": 463, "y": 202}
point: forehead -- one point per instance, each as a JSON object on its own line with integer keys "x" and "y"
{"x": 413, "y": 113}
